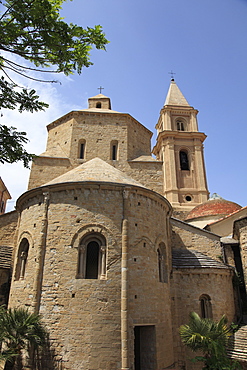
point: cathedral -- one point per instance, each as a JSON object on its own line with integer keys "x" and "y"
{"x": 115, "y": 243}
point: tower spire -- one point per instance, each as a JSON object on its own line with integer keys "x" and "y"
{"x": 180, "y": 148}
{"x": 175, "y": 96}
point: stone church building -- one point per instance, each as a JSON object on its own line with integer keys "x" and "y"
{"x": 115, "y": 244}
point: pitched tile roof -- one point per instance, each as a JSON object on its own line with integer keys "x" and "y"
{"x": 184, "y": 258}
{"x": 5, "y": 256}
{"x": 238, "y": 344}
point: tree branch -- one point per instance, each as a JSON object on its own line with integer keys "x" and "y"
{"x": 29, "y": 77}
{"x": 29, "y": 68}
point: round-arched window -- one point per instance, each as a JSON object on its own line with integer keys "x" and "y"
{"x": 205, "y": 306}
{"x": 92, "y": 257}
{"x": 180, "y": 125}
{"x": 184, "y": 161}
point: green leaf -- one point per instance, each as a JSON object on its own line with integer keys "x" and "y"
{"x": 210, "y": 337}
{"x": 34, "y": 31}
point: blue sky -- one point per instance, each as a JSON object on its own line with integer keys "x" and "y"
{"x": 202, "y": 41}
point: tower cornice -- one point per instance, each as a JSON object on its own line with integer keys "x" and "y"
{"x": 182, "y": 134}
{"x": 175, "y": 135}
{"x": 176, "y": 109}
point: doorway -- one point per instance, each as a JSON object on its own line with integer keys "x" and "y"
{"x": 145, "y": 347}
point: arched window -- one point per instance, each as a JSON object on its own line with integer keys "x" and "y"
{"x": 205, "y": 306}
{"x": 22, "y": 259}
{"x": 82, "y": 146}
{"x": 114, "y": 150}
{"x": 180, "y": 125}
{"x": 92, "y": 257}
{"x": 162, "y": 265}
{"x": 184, "y": 161}
{"x": 98, "y": 105}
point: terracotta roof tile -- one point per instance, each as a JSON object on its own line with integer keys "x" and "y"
{"x": 213, "y": 207}
{"x": 227, "y": 216}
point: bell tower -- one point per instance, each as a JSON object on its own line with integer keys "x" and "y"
{"x": 180, "y": 147}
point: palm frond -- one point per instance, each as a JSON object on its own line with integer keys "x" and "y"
{"x": 205, "y": 334}
{"x": 19, "y": 329}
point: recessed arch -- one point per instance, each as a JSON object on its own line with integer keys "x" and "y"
{"x": 144, "y": 240}
{"x": 22, "y": 259}
{"x": 92, "y": 228}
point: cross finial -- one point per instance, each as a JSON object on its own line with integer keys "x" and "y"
{"x": 172, "y": 74}
{"x": 100, "y": 89}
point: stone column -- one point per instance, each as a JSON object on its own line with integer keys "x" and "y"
{"x": 167, "y": 123}
{"x": 23, "y": 259}
{"x": 41, "y": 247}
{"x": 124, "y": 287}
{"x": 103, "y": 262}
{"x": 194, "y": 124}
{"x": 200, "y": 171}
{"x": 81, "y": 261}
{"x": 170, "y": 179}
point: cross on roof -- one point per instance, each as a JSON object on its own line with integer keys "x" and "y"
{"x": 100, "y": 88}
{"x": 172, "y": 74}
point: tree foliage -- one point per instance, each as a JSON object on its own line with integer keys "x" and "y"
{"x": 211, "y": 338}
{"x": 19, "y": 330}
{"x": 34, "y": 31}
{"x": 11, "y": 146}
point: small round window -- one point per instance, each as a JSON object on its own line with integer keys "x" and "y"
{"x": 188, "y": 198}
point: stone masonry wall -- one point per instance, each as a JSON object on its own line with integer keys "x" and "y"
{"x": 149, "y": 299}
{"x": 185, "y": 236}
{"x": 139, "y": 140}
{"x": 215, "y": 283}
{"x": 79, "y": 314}
{"x": 59, "y": 138}
{"x": 98, "y": 131}
{"x": 240, "y": 233}
{"x": 8, "y": 224}
{"x": 45, "y": 169}
{"x": 148, "y": 174}
{"x": 83, "y": 315}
